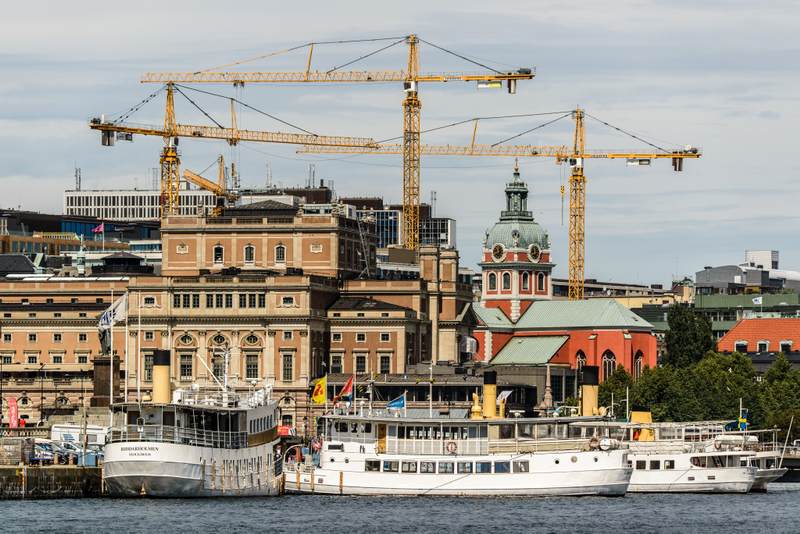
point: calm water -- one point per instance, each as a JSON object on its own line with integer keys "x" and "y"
{"x": 777, "y": 511}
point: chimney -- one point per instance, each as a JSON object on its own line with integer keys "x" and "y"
{"x": 490, "y": 394}
{"x": 590, "y": 386}
{"x": 161, "y": 380}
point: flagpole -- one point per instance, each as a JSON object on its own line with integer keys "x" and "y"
{"x": 127, "y": 368}
{"x": 139, "y": 347}
{"x": 430, "y": 391}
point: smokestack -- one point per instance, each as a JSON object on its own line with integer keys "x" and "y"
{"x": 489, "y": 394}
{"x": 590, "y": 386}
{"x": 161, "y": 381}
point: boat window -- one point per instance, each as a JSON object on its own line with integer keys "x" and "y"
{"x": 341, "y": 426}
{"x": 473, "y": 432}
{"x": 353, "y": 428}
{"x": 718, "y": 461}
{"x": 699, "y": 461}
{"x": 372, "y": 465}
{"x": 655, "y": 464}
{"x": 641, "y": 464}
{"x": 335, "y": 446}
{"x": 427, "y": 467}
{"x": 464, "y": 467}
{"x": 390, "y": 466}
{"x": 521, "y": 466}
{"x": 392, "y": 431}
{"x": 525, "y": 430}
{"x": 484, "y": 430}
{"x": 445, "y": 467}
{"x": 506, "y": 431}
{"x": 669, "y": 464}
{"x": 502, "y": 467}
{"x": 368, "y": 428}
{"x": 409, "y": 467}
{"x": 483, "y": 467}
{"x": 401, "y": 432}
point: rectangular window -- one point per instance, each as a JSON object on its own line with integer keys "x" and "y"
{"x": 83, "y": 358}
{"x": 384, "y": 337}
{"x": 521, "y": 466}
{"x": 228, "y": 300}
{"x": 386, "y": 363}
{"x": 390, "y": 466}
{"x": 218, "y": 300}
{"x": 57, "y": 315}
{"x": 82, "y": 338}
{"x": 669, "y": 464}
{"x": 242, "y": 300}
{"x": 641, "y": 464}
{"x": 336, "y": 364}
{"x": 427, "y": 467}
{"x": 655, "y": 464}
{"x": 186, "y": 366}
{"x": 288, "y": 368}
{"x": 186, "y": 299}
{"x": 464, "y": 467}
{"x": 287, "y": 335}
{"x": 361, "y": 363}
{"x": 251, "y": 300}
{"x": 372, "y": 465}
{"x": 32, "y": 358}
{"x": 483, "y": 467}
{"x": 149, "y": 335}
{"x": 6, "y": 338}
{"x": 148, "y": 367}
{"x": 287, "y": 301}
{"x": 361, "y": 337}
{"x": 57, "y": 358}
{"x": 176, "y": 301}
{"x": 763, "y": 346}
{"x": 262, "y": 300}
{"x": 336, "y": 337}
{"x": 786, "y": 346}
{"x": 7, "y": 359}
{"x": 32, "y": 338}
{"x": 195, "y": 300}
{"x": 56, "y": 338}
{"x": 502, "y": 467}
{"x": 251, "y": 366}
{"x": 209, "y": 300}
{"x": 445, "y": 467}
{"x": 409, "y": 467}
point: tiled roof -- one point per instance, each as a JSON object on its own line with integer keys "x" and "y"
{"x": 752, "y": 331}
{"x": 534, "y": 350}
{"x": 596, "y": 313}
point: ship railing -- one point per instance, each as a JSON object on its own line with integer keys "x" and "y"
{"x": 429, "y": 446}
{"x": 182, "y": 436}
{"x": 506, "y": 446}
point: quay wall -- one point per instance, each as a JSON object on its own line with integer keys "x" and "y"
{"x": 49, "y": 482}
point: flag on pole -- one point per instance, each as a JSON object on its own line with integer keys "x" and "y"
{"x": 115, "y": 313}
{"x": 398, "y": 403}
{"x": 347, "y": 390}
{"x": 758, "y": 300}
{"x": 320, "y": 394}
{"x": 100, "y": 228}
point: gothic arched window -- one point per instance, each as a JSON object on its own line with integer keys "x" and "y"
{"x": 526, "y": 282}
{"x": 609, "y": 364}
{"x": 580, "y": 360}
{"x": 492, "y": 282}
{"x": 638, "y": 362}
{"x": 506, "y": 281}
{"x": 540, "y": 282}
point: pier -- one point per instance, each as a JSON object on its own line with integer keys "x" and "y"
{"x": 49, "y": 482}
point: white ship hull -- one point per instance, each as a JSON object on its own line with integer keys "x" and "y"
{"x": 158, "y": 469}
{"x": 591, "y": 473}
{"x": 765, "y": 476}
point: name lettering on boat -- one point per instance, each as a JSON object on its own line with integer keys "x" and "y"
{"x": 140, "y": 450}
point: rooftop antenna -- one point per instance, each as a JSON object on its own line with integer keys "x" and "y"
{"x": 77, "y": 178}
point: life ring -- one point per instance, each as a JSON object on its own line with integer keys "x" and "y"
{"x": 594, "y": 443}
{"x": 451, "y": 447}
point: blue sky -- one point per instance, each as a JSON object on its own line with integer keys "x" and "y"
{"x": 719, "y": 75}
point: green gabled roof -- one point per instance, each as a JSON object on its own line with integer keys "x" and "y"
{"x": 492, "y": 317}
{"x": 559, "y": 314}
{"x": 535, "y": 350}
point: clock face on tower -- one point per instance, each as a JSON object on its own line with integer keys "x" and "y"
{"x": 498, "y": 251}
{"x": 534, "y": 253}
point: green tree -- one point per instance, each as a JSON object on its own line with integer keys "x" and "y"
{"x": 615, "y": 385}
{"x": 689, "y": 337}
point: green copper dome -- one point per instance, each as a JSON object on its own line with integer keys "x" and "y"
{"x": 516, "y": 227}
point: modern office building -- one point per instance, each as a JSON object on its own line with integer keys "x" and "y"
{"x": 759, "y": 273}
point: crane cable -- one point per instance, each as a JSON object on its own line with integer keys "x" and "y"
{"x": 192, "y": 102}
{"x": 248, "y": 106}
{"x": 456, "y": 54}
{"x": 365, "y": 56}
{"x": 627, "y": 133}
{"x": 533, "y": 129}
{"x": 138, "y": 106}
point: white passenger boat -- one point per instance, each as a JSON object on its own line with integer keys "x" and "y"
{"x": 195, "y": 444}
{"x": 665, "y": 461}
{"x": 461, "y": 452}
{"x": 767, "y": 453}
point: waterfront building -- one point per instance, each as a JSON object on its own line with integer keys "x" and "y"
{"x": 763, "y": 338}
{"x": 522, "y": 329}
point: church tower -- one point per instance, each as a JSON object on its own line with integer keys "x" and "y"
{"x": 515, "y": 262}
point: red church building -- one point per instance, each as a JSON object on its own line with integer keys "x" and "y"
{"x": 519, "y": 323}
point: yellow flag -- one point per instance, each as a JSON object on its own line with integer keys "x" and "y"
{"x": 320, "y": 394}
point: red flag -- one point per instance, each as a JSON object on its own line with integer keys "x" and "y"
{"x": 346, "y": 391}
{"x": 100, "y": 228}
{"x": 13, "y": 413}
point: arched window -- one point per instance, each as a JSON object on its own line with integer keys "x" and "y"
{"x": 540, "y": 282}
{"x": 638, "y": 362}
{"x": 250, "y": 254}
{"x": 580, "y": 360}
{"x": 609, "y": 364}
{"x": 280, "y": 254}
{"x": 506, "y": 281}
{"x": 492, "y": 282}
{"x": 219, "y": 254}
{"x": 526, "y": 281}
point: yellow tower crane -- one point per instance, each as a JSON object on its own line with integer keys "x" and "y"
{"x": 573, "y": 155}
{"x": 410, "y": 78}
{"x": 220, "y": 189}
{"x": 171, "y": 131}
